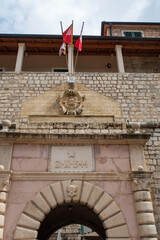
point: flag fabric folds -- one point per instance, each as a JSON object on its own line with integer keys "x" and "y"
{"x": 68, "y": 35}
{"x": 62, "y": 49}
{"x": 78, "y": 43}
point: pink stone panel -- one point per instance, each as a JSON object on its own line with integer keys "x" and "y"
{"x": 30, "y": 158}
{"x": 122, "y": 194}
{"x": 20, "y": 194}
{"x": 112, "y": 158}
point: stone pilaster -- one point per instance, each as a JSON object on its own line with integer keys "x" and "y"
{"x": 143, "y": 205}
{"x": 4, "y": 189}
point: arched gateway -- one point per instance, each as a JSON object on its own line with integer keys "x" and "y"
{"x": 67, "y": 202}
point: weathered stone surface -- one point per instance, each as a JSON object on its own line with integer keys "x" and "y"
{"x": 109, "y": 211}
{"x": 145, "y": 218}
{"x": 142, "y": 196}
{"x": 5, "y": 156}
{"x": 148, "y": 231}
{"x": 103, "y": 202}
{"x": 39, "y": 201}
{"x": 77, "y": 196}
{"x": 114, "y": 221}
{"x": 71, "y": 159}
{"x": 95, "y": 195}
{"x": 2, "y": 208}
{"x": 1, "y": 220}
{"x": 137, "y": 157}
{"x": 118, "y": 232}
{"x": 48, "y": 195}
{"x": 34, "y": 212}
{"x": 86, "y": 191}
{"x": 57, "y": 191}
{"x": 23, "y": 233}
{"x": 144, "y": 207}
{"x": 28, "y": 222}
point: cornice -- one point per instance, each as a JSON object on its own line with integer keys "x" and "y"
{"x": 35, "y": 138}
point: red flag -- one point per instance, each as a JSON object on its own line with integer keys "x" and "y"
{"x": 68, "y": 35}
{"x": 78, "y": 43}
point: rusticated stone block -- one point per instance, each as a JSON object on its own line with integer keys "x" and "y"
{"x": 109, "y": 211}
{"x": 95, "y": 195}
{"x": 144, "y": 207}
{"x": 147, "y": 231}
{"x": 142, "y": 196}
{"x": 28, "y": 222}
{"x": 145, "y": 218}
{"x": 103, "y": 202}
{"x": 34, "y": 212}
{"x": 41, "y": 203}
{"x": 86, "y": 191}
{"x": 114, "y": 221}
{"x": 23, "y": 234}
{"x": 118, "y": 232}
{"x": 48, "y": 195}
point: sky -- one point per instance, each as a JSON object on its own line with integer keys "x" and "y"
{"x": 44, "y": 16}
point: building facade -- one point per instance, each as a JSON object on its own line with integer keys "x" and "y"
{"x": 81, "y": 147}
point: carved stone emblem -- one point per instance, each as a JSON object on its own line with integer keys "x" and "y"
{"x": 71, "y": 190}
{"x": 71, "y": 102}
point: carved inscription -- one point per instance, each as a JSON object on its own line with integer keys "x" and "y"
{"x": 71, "y": 159}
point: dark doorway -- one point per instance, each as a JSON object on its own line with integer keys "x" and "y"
{"x": 67, "y": 214}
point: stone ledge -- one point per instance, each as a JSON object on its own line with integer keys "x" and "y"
{"x": 52, "y": 176}
{"x": 80, "y": 138}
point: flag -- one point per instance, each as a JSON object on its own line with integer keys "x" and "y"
{"x": 68, "y": 35}
{"x": 62, "y": 49}
{"x": 59, "y": 235}
{"x": 78, "y": 43}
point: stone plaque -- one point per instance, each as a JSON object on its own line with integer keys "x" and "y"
{"x": 71, "y": 159}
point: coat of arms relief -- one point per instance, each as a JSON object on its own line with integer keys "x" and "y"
{"x": 71, "y": 103}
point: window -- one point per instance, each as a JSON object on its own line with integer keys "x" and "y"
{"x": 60, "y": 70}
{"x": 2, "y": 69}
{"x": 133, "y": 34}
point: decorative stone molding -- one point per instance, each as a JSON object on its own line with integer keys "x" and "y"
{"x": 89, "y": 176}
{"x": 72, "y": 192}
{"x": 140, "y": 185}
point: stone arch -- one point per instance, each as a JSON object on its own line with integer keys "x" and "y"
{"x": 64, "y": 192}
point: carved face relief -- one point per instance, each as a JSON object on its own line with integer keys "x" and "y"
{"x": 71, "y": 190}
{"x": 71, "y": 102}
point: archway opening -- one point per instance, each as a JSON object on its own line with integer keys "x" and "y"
{"x": 67, "y": 214}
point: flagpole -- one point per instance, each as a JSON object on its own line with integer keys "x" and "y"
{"x": 77, "y": 49}
{"x": 66, "y": 47}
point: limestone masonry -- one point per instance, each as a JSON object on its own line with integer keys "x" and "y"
{"x": 80, "y": 149}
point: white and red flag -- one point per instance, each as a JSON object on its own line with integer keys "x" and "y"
{"x": 68, "y": 35}
{"x": 62, "y": 49}
{"x": 78, "y": 43}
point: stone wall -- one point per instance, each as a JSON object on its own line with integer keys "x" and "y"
{"x": 147, "y": 31}
{"x": 139, "y": 95}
